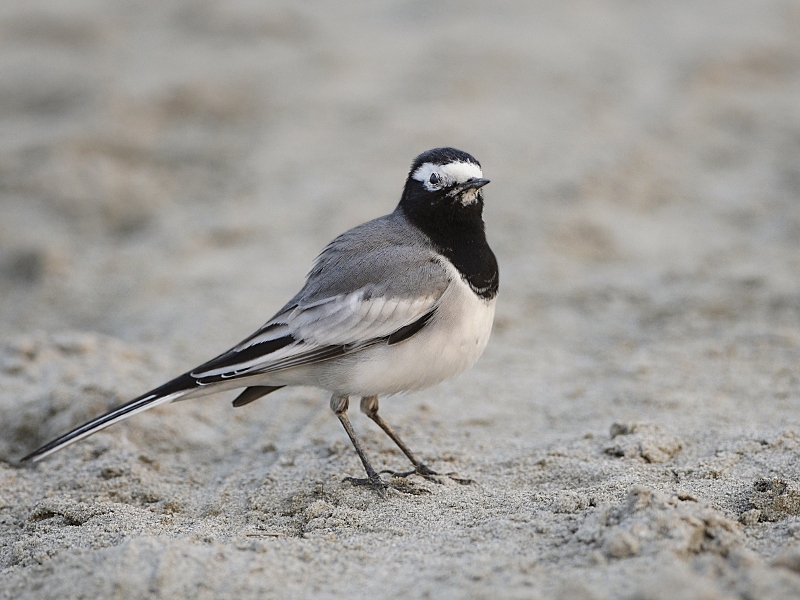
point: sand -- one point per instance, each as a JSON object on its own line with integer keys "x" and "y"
{"x": 168, "y": 171}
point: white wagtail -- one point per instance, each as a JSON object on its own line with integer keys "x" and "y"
{"x": 399, "y": 303}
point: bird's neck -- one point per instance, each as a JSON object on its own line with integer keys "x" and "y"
{"x": 457, "y": 232}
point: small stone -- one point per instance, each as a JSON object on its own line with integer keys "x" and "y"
{"x": 750, "y": 517}
{"x": 317, "y": 509}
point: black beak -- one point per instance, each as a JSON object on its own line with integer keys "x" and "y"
{"x": 474, "y": 183}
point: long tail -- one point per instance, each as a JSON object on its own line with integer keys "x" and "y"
{"x": 172, "y": 390}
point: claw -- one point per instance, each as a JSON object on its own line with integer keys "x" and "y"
{"x": 460, "y": 480}
{"x": 380, "y": 486}
{"x": 429, "y": 474}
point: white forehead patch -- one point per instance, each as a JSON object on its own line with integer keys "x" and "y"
{"x": 449, "y": 174}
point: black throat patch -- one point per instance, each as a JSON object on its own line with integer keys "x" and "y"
{"x": 457, "y": 232}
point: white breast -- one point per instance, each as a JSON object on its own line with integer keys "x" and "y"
{"x": 451, "y": 342}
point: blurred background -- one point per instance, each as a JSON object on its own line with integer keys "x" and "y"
{"x": 169, "y": 170}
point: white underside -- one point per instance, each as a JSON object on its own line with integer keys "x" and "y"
{"x": 449, "y": 343}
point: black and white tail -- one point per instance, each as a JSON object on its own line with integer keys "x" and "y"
{"x": 173, "y": 390}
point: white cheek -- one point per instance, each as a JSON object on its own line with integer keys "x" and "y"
{"x": 424, "y": 172}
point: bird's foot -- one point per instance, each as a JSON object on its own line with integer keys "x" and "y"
{"x": 381, "y": 485}
{"x": 429, "y": 474}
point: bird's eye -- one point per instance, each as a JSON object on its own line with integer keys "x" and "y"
{"x": 434, "y": 179}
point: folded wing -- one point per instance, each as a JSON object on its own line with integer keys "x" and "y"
{"x": 309, "y": 332}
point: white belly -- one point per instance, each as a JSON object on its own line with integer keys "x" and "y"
{"x": 451, "y": 342}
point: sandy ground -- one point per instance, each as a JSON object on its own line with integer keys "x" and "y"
{"x": 168, "y": 170}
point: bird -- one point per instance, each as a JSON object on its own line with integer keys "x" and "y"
{"x": 397, "y": 304}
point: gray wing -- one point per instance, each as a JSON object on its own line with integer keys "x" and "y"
{"x": 379, "y": 282}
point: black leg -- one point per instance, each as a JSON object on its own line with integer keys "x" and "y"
{"x": 369, "y": 406}
{"x": 339, "y": 405}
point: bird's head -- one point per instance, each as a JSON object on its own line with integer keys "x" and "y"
{"x": 444, "y": 178}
